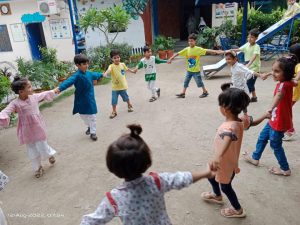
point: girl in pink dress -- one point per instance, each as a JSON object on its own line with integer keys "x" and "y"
{"x": 31, "y": 127}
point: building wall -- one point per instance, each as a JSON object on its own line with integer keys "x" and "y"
{"x": 134, "y": 35}
{"x": 65, "y": 48}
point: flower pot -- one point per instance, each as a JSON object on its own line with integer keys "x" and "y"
{"x": 162, "y": 54}
{"x": 170, "y": 53}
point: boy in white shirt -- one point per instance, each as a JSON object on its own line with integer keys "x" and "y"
{"x": 148, "y": 62}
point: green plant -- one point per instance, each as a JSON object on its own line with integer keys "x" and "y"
{"x": 163, "y": 43}
{"x": 100, "y": 56}
{"x": 207, "y": 37}
{"x": 44, "y": 73}
{"x": 135, "y": 7}
{"x": 110, "y": 19}
{"x": 4, "y": 87}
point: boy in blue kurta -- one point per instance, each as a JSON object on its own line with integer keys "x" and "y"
{"x": 84, "y": 102}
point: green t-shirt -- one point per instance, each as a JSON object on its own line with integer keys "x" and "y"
{"x": 250, "y": 51}
{"x": 192, "y": 56}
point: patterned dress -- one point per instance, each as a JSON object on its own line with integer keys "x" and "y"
{"x": 139, "y": 202}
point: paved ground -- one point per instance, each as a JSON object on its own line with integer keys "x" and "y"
{"x": 180, "y": 133}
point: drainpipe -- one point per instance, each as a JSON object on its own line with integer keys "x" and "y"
{"x": 73, "y": 25}
{"x": 244, "y": 25}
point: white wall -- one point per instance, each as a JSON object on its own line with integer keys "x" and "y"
{"x": 64, "y": 47}
{"x": 134, "y": 35}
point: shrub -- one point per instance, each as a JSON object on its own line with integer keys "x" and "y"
{"x": 4, "y": 87}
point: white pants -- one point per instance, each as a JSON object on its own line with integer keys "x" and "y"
{"x": 151, "y": 87}
{"x": 2, "y": 218}
{"x": 90, "y": 121}
{"x": 39, "y": 151}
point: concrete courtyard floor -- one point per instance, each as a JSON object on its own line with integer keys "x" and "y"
{"x": 180, "y": 133}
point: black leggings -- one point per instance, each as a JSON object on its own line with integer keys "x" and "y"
{"x": 228, "y": 191}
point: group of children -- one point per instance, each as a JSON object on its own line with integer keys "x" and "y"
{"x": 141, "y": 198}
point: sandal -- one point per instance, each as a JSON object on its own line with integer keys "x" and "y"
{"x": 130, "y": 109}
{"x": 39, "y": 172}
{"x": 278, "y": 171}
{"x": 52, "y": 160}
{"x": 211, "y": 197}
{"x": 249, "y": 159}
{"x": 232, "y": 213}
{"x": 113, "y": 115}
{"x": 152, "y": 99}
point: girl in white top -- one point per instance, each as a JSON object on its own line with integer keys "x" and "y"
{"x": 239, "y": 72}
{"x": 140, "y": 199}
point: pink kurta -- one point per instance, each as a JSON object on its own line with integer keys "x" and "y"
{"x": 31, "y": 127}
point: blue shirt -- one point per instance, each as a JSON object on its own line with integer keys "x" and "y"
{"x": 84, "y": 101}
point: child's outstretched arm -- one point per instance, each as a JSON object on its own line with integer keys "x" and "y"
{"x": 252, "y": 60}
{"x": 170, "y": 59}
{"x": 202, "y": 174}
{"x": 45, "y": 95}
{"x": 103, "y": 214}
{"x": 214, "y": 52}
{"x": 264, "y": 76}
{"x": 108, "y": 71}
{"x": 5, "y": 113}
{"x": 67, "y": 83}
{"x": 159, "y": 61}
{"x": 97, "y": 75}
{"x": 260, "y": 119}
{"x": 278, "y": 96}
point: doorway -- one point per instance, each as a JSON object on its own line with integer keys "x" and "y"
{"x": 36, "y": 39}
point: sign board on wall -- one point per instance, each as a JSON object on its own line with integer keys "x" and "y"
{"x": 221, "y": 12}
{"x": 60, "y": 28}
{"x": 18, "y": 33}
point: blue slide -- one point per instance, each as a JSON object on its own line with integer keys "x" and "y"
{"x": 209, "y": 70}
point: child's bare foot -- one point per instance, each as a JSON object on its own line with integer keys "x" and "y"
{"x": 39, "y": 172}
{"x": 52, "y": 160}
{"x": 232, "y": 213}
{"x": 211, "y": 197}
{"x": 249, "y": 159}
{"x": 278, "y": 171}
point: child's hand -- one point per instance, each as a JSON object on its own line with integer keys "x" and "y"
{"x": 215, "y": 165}
{"x": 56, "y": 90}
{"x": 210, "y": 173}
{"x": 135, "y": 70}
{"x": 169, "y": 61}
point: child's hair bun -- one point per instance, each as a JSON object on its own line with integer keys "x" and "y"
{"x": 135, "y": 129}
{"x": 16, "y": 78}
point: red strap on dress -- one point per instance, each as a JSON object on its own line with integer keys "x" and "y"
{"x": 156, "y": 179}
{"x": 112, "y": 202}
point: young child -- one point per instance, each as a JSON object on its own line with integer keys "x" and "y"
{"x": 294, "y": 49}
{"x": 281, "y": 116}
{"x": 292, "y": 10}
{"x": 192, "y": 55}
{"x": 148, "y": 62}
{"x": 239, "y": 72}
{"x": 118, "y": 81}
{"x": 227, "y": 144}
{"x": 31, "y": 127}
{"x": 84, "y": 102}
{"x": 252, "y": 58}
{"x": 140, "y": 199}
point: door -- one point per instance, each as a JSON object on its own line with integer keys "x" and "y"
{"x": 36, "y": 39}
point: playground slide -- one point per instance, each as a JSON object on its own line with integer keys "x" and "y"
{"x": 210, "y": 70}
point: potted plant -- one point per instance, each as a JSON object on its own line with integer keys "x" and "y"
{"x": 160, "y": 44}
{"x": 170, "y": 43}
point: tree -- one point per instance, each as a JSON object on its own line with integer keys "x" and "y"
{"x": 114, "y": 19}
{"x": 135, "y": 7}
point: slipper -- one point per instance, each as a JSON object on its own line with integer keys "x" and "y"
{"x": 249, "y": 159}
{"x": 210, "y": 197}
{"x": 39, "y": 172}
{"x": 52, "y": 160}
{"x": 113, "y": 115}
{"x": 232, "y": 213}
{"x": 278, "y": 171}
{"x": 152, "y": 99}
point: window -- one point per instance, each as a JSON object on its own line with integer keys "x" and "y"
{"x": 5, "y": 44}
